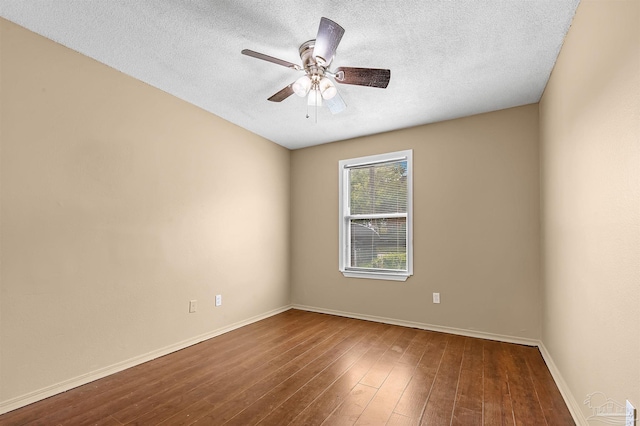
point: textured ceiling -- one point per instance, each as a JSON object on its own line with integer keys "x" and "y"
{"x": 448, "y": 59}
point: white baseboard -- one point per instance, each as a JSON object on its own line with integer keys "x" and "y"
{"x": 23, "y": 400}
{"x": 574, "y": 407}
{"x": 572, "y": 404}
{"x": 31, "y": 397}
{"x": 424, "y": 326}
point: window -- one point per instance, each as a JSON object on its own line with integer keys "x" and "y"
{"x": 375, "y": 216}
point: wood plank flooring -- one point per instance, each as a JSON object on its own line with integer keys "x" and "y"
{"x": 303, "y": 368}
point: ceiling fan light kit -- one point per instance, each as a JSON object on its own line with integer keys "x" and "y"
{"x": 316, "y": 56}
{"x": 302, "y": 86}
{"x": 327, "y": 88}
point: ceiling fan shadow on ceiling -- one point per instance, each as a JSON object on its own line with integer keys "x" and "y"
{"x": 316, "y": 84}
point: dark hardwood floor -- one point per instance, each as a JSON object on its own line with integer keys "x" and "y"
{"x": 304, "y": 368}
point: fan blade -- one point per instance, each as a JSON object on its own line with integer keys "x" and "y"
{"x": 335, "y": 104}
{"x": 283, "y": 94}
{"x": 372, "y": 77}
{"x": 271, "y": 59}
{"x": 327, "y": 40}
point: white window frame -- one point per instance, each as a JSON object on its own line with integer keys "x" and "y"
{"x": 345, "y": 216}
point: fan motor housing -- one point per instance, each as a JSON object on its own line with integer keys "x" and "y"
{"x": 308, "y": 61}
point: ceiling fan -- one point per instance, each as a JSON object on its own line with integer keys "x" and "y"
{"x": 316, "y": 56}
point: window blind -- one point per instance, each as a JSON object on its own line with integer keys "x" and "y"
{"x": 377, "y": 216}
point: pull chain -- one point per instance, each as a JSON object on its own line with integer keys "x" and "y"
{"x": 315, "y": 93}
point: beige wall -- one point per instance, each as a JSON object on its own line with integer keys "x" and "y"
{"x": 590, "y": 151}
{"x": 119, "y": 204}
{"x": 476, "y": 226}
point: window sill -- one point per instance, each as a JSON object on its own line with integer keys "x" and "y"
{"x": 376, "y": 276}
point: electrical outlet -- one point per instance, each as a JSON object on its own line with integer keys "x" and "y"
{"x": 218, "y": 299}
{"x": 436, "y": 297}
{"x": 631, "y": 415}
{"x": 193, "y": 306}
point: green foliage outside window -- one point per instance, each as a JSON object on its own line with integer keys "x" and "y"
{"x": 396, "y": 261}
